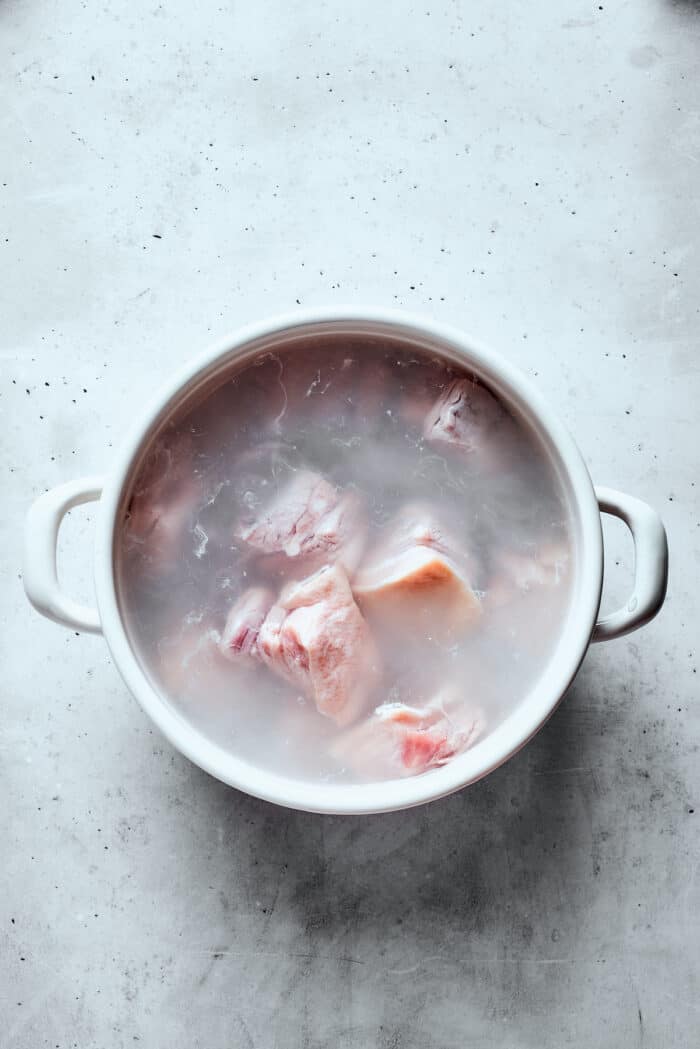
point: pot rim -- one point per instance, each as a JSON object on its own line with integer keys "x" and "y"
{"x": 530, "y": 714}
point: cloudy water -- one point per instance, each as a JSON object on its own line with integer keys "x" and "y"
{"x": 347, "y": 562}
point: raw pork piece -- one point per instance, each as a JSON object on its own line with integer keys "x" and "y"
{"x": 403, "y": 740}
{"x": 417, "y": 579}
{"x": 239, "y": 641}
{"x": 309, "y": 523}
{"x": 190, "y": 659}
{"x": 316, "y": 638}
{"x": 465, "y": 416}
{"x": 162, "y": 506}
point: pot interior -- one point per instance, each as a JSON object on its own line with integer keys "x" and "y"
{"x": 442, "y": 506}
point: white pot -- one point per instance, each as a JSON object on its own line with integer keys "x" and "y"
{"x": 580, "y": 628}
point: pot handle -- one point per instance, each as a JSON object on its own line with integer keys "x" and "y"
{"x": 39, "y": 572}
{"x": 650, "y": 567}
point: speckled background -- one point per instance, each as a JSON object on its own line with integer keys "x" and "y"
{"x": 529, "y": 172}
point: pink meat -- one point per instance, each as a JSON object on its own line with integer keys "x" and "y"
{"x": 190, "y": 659}
{"x": 316, "y": 638}
{"x": 417, "y": 524}
{"x": 464, "y": 416}
{"x": 418, "y": 576}
{"x": 163, "y": 502}
{"x": 310, "y": 522}
{"x": 239, "y": 641}
{"x": 401, "y": 740}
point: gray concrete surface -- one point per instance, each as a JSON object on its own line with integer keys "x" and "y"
{"x": 527, "y": 171}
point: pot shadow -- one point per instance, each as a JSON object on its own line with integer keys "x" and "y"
{"x": 491, "y": 861}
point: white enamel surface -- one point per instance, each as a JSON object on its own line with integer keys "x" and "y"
{"x": 39, "y": 569}
{"x": 650, "y": 569}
